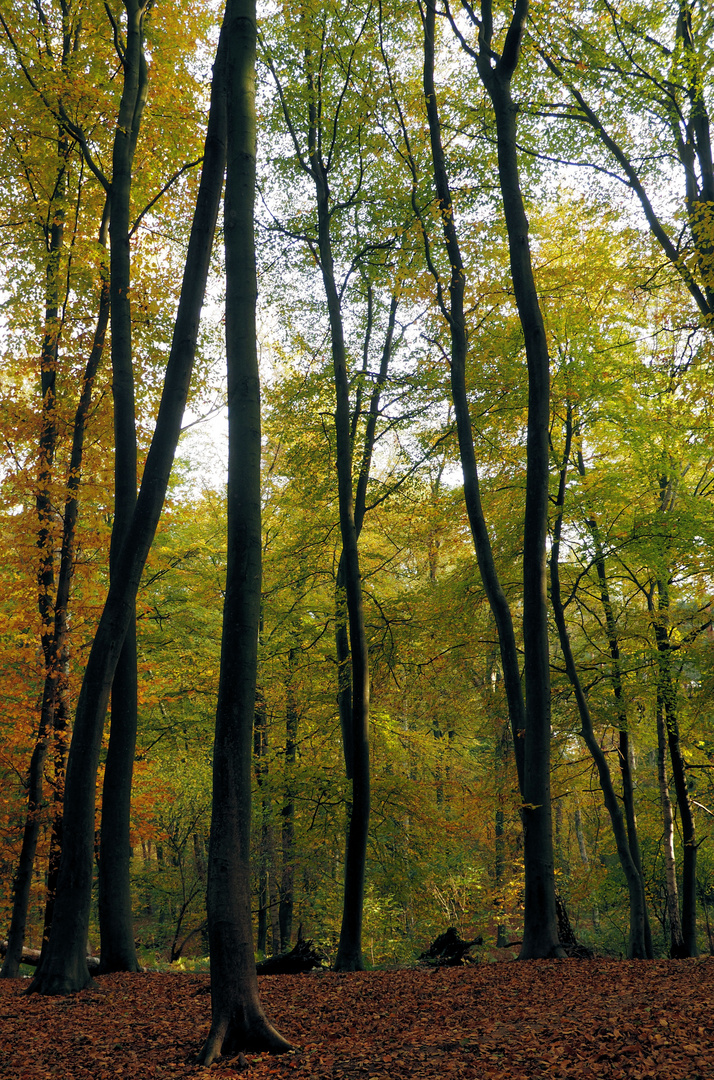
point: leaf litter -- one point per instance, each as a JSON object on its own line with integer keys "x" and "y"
{"x": 568, "y": 1020}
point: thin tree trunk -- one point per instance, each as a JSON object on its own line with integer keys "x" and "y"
{"x": 454, "y": 315}
{"x": 540, "y": 933}
{"x": 639, "y": 946}
{"x": 237, "y": 1020}
{"x": 500, "y": 768}
{"x": 64, "y": 968}
{"x": 23, "y": 876}
{"x": 628, "y": 793}
{"x": 260, "y": 749}
{"x": 540, "y": 938}
{"x": 349, "y": 951}
{"x": 118, "y": 952}
{"x": 667, "y": 693}
{"x": 676, "y": 943}
{"x": 54, "y": 620}
{"x": 60, "y": 740}
{"x": 287, "y": 881}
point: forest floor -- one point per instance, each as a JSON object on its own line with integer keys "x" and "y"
{"x": 565, "y": 1019}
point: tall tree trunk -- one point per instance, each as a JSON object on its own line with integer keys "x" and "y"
{"x": 501, "y": 755}
{"x": 118, "y": 952}
{"x": 53, "y": 610}
{"x": 349, "y": 951}
{"x": 540, "y": 933}
{"x": 353, "y": 702}
{"x": 676, "y": 942}
{"x": 628, "y": 793}
{"x": 453, "y": 312}
{"x": 287, "y": 881}
{"x": 540, "y": 937}
{"x": 237, "y": 1020}
{"x": 260, "y": 749}
{"x": 64, "y": 967}
{"x": 23, "y": 876}
{"x": 667, "y": 692}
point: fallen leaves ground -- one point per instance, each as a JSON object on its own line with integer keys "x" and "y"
{"x": 564, "y": 1019}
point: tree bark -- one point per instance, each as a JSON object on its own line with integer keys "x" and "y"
{"x": 64, "y": 968}
{"x": 667, "y": 693}
{"x": 23, "y": 876}
{"x": 349, "y": 950}
{"x": 676, "y": 942}
{"x": 237, "y": 1019}
{"x": 540, "y": 933}
{"x": 260, "y": 749}
{"x": 54, "y": 639}
{"x": 628, "y": 793}
{"x": 287, "y": 880}
{"x": 118, "y": 952}
{"x": 453, "y": 312}
{"x": 640, "y": 943}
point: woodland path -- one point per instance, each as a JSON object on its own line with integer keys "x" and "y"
{"x": 565, "y": 1019}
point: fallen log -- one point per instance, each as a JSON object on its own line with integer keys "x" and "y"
{"x": 449, "y": 950}
{"x": 303, "y": 957}
{"x": 32, "y": 957}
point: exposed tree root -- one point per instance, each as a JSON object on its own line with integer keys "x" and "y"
{"x": 231, "y": 1037}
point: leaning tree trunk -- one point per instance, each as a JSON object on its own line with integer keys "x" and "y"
{"x": 118, "y": 952}
{"x": 64, "y": 968}
{"x": 237, "y": 1020}
{"x": 46, "y": 542}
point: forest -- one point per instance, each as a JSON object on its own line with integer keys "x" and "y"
{"x": 356, "y": 483}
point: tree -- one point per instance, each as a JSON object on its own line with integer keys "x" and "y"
{"x": 651, "y": 62}
{"x": 496, "y": 72}
{"x": 640, "y": 942}
{"x": 53, "y": 580}
{"x": 339, "y": 230}
{"x": 237, "y": 1020}
{"x": 117, "y": 934}
{"x": 64, "y": 967}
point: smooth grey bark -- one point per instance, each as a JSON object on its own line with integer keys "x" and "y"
{"x": 237, "y": 1019}
{"x": 63, "y": 968}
